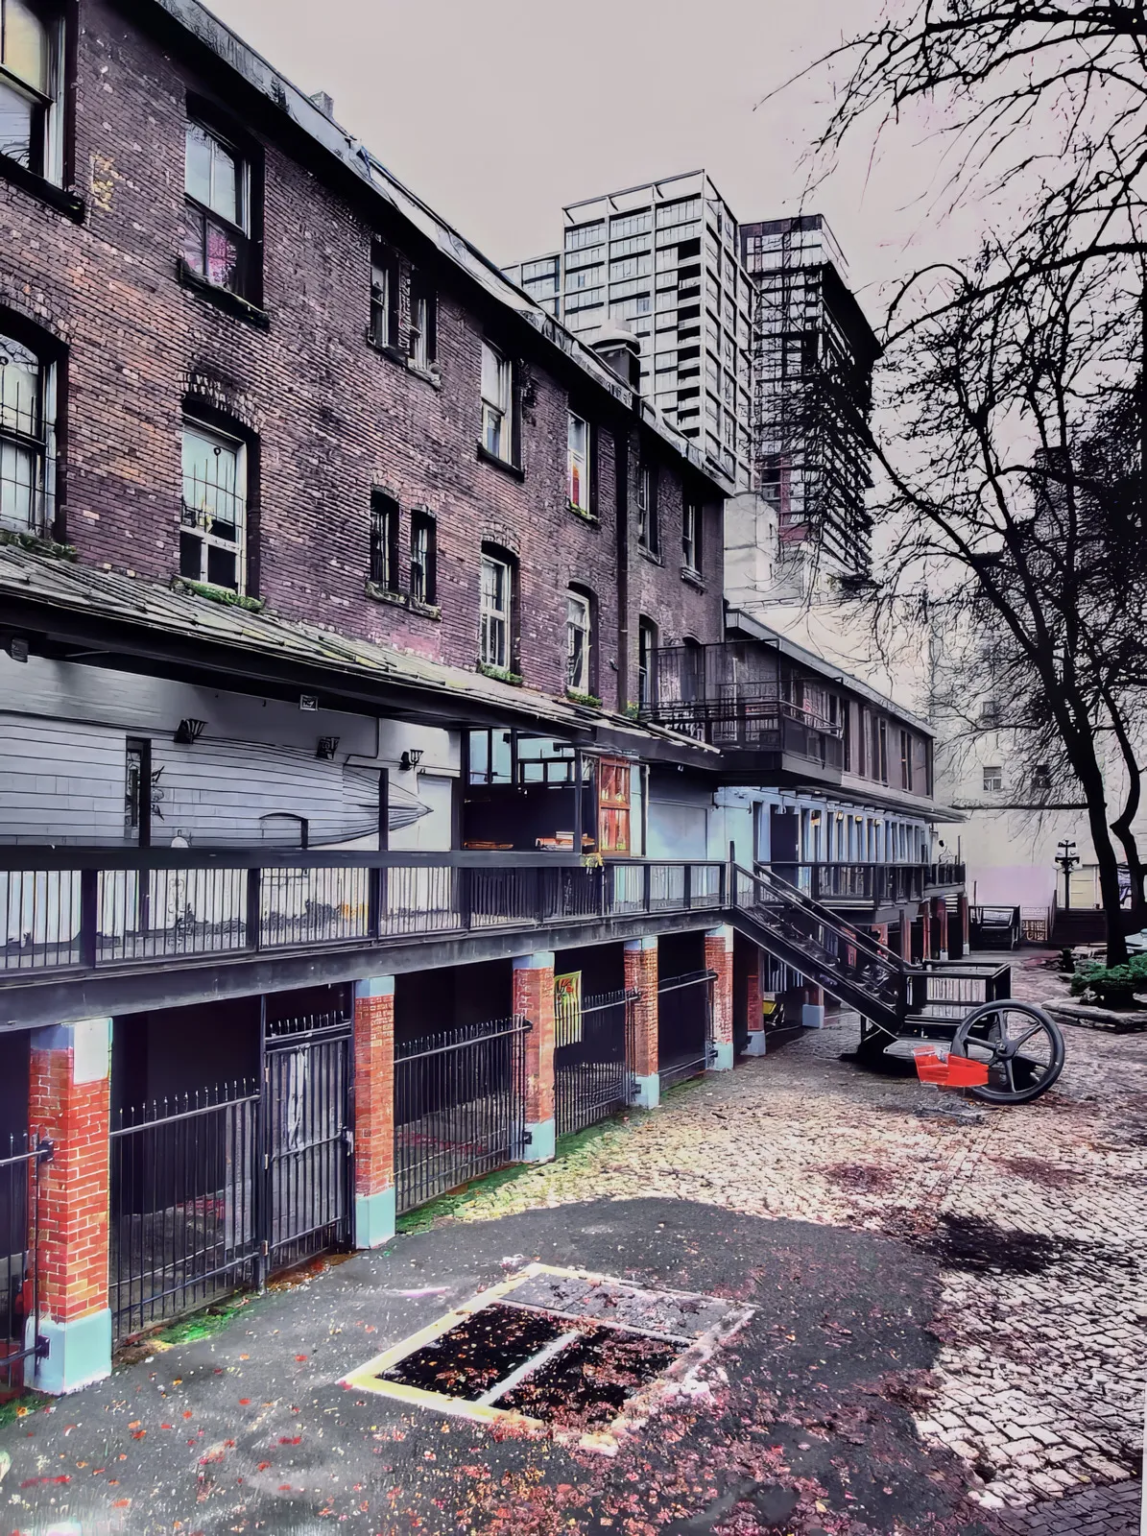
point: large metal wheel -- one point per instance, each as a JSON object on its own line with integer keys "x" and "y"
{"x": 1022, "y": 1046}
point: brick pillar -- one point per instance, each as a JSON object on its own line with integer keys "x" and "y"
{"x": 905, "y": 936}
{"x": 69, "y": 1102}
{"x": 374, "y": 1206}
{"x": 534, "y": 1000}
{"x": 719, "y": 958}
{"x": 926, "y": 931}
{"x": 753, "y": 1001}
{"x": 812, "y": 1010}
{"x": 641, "y": 977}
{"x": 964, "y": 920}
{"x": 940, "y": 910}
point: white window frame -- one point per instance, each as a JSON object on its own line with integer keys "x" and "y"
{"x": 383, "y": 298}
{"x": 691, "y": 535}
{"x": 578, "y": 466}
{"x": 993, "y": 780}
{"x": 35, "y": 447}
{"x": 579, "y": 621}
{"x": 198, "y": 520}
{"x": 497, "y": 403}
{"x": 495, "y": 618}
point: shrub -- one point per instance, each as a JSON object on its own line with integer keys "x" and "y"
{"x": 1111, "y": 986}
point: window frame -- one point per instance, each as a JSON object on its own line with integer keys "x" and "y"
{"x": 422, "y": 339}
{"x": 648, "y": 533}
{"x": 45, "y": 137}
{"x": 208, "y": 540}
{"x": 424, "y": 523}
{"x": 692, "y": 556}
{"x": 647, "y": 633}
{"x": 906, "y": 760}
{"x": 241, "y": 232}
{"x": 499, "y": 414}
{"x": 579, "y": 465}
{"x": 993, "y": 779}
{"x": 39, "y": 446}
{"x": 579, "y": 595}
{"x": 385, "y": 298}
{"x": 385, "y": 537}
{"x": 494, "y": 619}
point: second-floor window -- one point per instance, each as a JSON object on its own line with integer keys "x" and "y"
{"x": 579, "y": 641}
{"x": 496, "y": 595}
{"x": 905, "y": 760}
{"x": 691, "y": 536}
{"x": 578, "y": 468}
{"x": 217, "y": 223}
{"x": 993, "y": 779}
{"x": 26, "y": 458}
{"x": 213, "y": 531}
{"x": 383, "y": 298}
{"x": 423, "y": 558}
{"x": 647, "y": 508}
{"x": 384, "y": 515}
{"x": 29, "y": 49}
{"x": 423, "y": 346}
{"x": 497, "y": 404}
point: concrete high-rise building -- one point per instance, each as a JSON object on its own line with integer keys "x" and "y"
{"x": 812, "y": 358}
{"x": 663, "y": 261}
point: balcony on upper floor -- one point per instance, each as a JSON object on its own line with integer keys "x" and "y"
{"x": 773, "y": 723}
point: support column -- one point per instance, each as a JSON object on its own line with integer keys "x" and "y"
{"x": 719, "y": 958}
{"x": 812, "y": 1011}
{"x": 926, "y": 931}
{"x": 534, "y": 1000}
{"x": 69, "y": 1102}
{"x": 905, "y": 936}
{"x": 374, "y": 1195}
{"x": 940, "y": 909}
{"x": 641, "y": 977}
{"x": 753, "y": 1002}
{"x": 964, "y": 921}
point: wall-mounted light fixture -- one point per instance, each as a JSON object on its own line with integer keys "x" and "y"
{"x": 327, "y": 747}
{"x": 189, "y": 732}
{"x": 410, "y": 759}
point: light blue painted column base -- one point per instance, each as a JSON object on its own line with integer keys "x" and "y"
{"x": 541, "y": 1142}
{"x": 374, "y": 1219}
{"x": 646, "y": 1092}
{"x": 79, "y": 1353}
{"x": 757, "y": 1043}
{"x": 723, "y": 1057}
{"x": 812, "y": 1016}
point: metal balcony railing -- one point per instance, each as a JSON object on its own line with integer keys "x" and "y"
{"x": 868, "y": 884}
{"x": 79, "y": 910}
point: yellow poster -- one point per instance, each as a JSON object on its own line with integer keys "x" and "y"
{"x": 567, "y": 1009}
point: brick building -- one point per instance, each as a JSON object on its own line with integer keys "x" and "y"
{"x": 363, "y": 665}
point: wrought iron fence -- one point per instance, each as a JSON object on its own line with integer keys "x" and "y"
{"x": 21, "y": 1176}
{"x": 593, "y": 1059}
{"x": 684, "y": 1026}
{"x": 459, "y": 1106}
{"x": 183, "y": 1203}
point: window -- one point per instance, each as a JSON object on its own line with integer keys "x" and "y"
{"x": 29, "y": 49}
{"x": 993, "y": 778}
{"x": 423, "y": 558}
{"x": 579, "y": 642}
{"x": 212, "y": 538}
{"x": 384, "y": 515}
{"x": 647, "y": 508}
{"x": 137, "y": 792}
{"x": 423, "y": 323}
{"x": 578, "y": 463}
{"x": 497, "y": 404}
{"x": 216, "y": 224}
{"x": 496, "y": 593}
{"x": 691, "y": 536}
{"x": 882, "y": 751}
{"x": 383, "y": 298}
{"x": 905, "y": 760}
{"x": 1041, "y": 777}
{"x": 26, "y": 439}
{"x": 646, "y": 645}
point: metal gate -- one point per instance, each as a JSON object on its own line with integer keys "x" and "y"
{"x": 21, "y": 1174}
{"x": 459, "y": 1106}
{"x": 593, "y": 1059}
{"x": 684, "y": 1026}
{"x": 212, "y": 1191}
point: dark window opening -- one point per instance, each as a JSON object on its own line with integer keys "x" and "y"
{"x": 384, "y": 289}
{"x": 384, "y": 519}
{"x": 423, "y": 350}
{"x": 217, "y": 227}
{"x": 423, "y": 558}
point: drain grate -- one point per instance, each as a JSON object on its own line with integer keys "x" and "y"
{"x": 581, "y": 1355}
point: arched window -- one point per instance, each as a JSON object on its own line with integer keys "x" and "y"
{"x": 27, "y": 390}
{"x": 29, "y": 51}
{"x": 579, "y": 640}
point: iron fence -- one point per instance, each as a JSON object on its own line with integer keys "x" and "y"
{"x": 85, "y": 909}
{"x": 459, "y": 1106}
{"x": 684, "y": 1026}
{"x": 184, "y": 1194}
{"x": 593, "y": 1059}
{"x": 21, "y": 1175}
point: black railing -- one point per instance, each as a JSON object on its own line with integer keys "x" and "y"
{"x": 684, "y": 1026}
{"x": 753, "y": 725}
{"x": 459, "y": 1107}
{"x": 21, "y": 1175}
{"x": 74, "y": 909}
{"x": 593, "y": 1056}
{"x": 868, "y": 884}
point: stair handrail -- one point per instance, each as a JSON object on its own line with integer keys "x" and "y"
{"x": 763, "y": 875}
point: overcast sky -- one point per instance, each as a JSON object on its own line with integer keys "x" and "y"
{"x": 497, "y": 112}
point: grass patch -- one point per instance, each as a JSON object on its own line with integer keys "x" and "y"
{"x": 186, "y": 1330}
{"x": 17, "y": 1408}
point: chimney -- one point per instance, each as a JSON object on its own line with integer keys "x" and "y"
{"x": 325, "y": 103}
{"x": 620, "y": 351}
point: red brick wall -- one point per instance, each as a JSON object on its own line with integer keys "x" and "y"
{"x": 641, "y": 976}
{"x": 373, "y": 1094}
{"x": 533, "y": 999}
{"x": 332, "y": 415}
{"x": 719, "y": 958}
{"x": 74, "y": 1187}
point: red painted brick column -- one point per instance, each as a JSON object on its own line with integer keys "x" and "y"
{"x": 964, "y": 919}
{"x": 812, "y": 1011}
{"x": 374, "y": 1196}
{"x": 69, "y": 1103}
{"x": 533, "y": 999}
{"x": 926, "y": 930}
{"x": 719, "y": 958}
{"x": 905, "y": 936}
{"x": 641, "y": 977}
{"x": 753, "y": 1001}
{"x": 940, "y": 909}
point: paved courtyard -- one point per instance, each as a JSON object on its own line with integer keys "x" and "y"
{"x": 946, "y": 1335}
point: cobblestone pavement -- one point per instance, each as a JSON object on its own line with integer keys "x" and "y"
{"x": 1035, "y": 1212}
